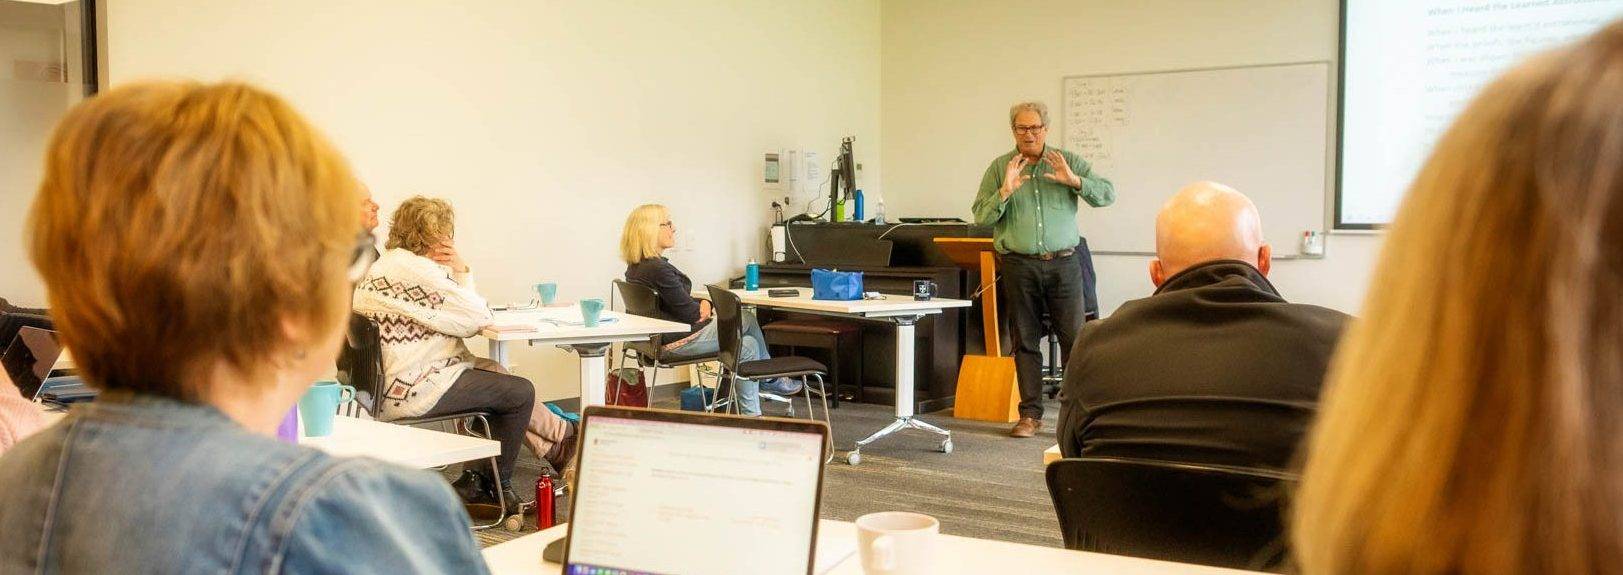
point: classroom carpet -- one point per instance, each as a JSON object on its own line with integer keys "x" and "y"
{"x": 990, "y": 487}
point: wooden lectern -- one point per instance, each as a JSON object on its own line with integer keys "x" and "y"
{"x": 988, "y": 389}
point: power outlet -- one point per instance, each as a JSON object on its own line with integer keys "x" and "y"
{"x": 1313, "y": 243}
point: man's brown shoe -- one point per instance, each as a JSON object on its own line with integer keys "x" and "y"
{"x": 1026, "y": 427}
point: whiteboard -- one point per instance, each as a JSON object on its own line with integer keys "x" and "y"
{"x": 1263, "y": 130}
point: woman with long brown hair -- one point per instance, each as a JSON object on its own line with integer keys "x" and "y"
{"x": 1472, "y": 424}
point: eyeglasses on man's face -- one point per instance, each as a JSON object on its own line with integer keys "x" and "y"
{"x": 1018, "y": 129}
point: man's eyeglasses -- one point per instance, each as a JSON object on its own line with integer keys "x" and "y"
{"x": 364, "y": 256}
{"x": 1029, "y": 129}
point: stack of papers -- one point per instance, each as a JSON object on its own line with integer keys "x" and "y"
{"x": 531, "y": 320}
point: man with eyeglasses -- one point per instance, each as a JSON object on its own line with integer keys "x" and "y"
{"x": 1029, "y": 197}
{"x": 369, "y": 217}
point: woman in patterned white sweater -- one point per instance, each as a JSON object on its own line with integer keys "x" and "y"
{"x": 421, "y": 296}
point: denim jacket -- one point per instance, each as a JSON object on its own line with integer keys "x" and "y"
{"x": 138, "y": 484}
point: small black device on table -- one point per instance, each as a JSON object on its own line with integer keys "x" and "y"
{"x": 783, "y": 292}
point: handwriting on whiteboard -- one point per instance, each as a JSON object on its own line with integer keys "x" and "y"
{"x": 1094, "y": 109}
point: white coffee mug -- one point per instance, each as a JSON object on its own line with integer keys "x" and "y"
{"x": 898, "y": 543}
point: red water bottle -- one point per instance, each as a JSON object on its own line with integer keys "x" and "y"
{"x": 543, "y": 502}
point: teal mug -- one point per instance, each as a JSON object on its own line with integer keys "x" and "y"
{"x": 320, "y": 404}
{"x": 591, "y": 310}
{"x": 548, "y": 292}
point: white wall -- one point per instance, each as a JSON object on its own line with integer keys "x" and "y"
{"x": 545, "y": 122}
{"x": 952, "y": 68}
{"x": 32, "y": 41}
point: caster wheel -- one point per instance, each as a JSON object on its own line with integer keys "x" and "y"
{"x": 853, "y": 458}
{"x": 946, "y": 446}
{"x": 514, "y": 523}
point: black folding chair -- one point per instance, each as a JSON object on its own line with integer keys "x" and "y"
{"x": 1204, "y": 514}
{"x": 6, "y": 307}
{"x": 13, "y": 322}
{"x": 643, "y": 300}
{"x": 361, "y": 364}
{"x": 730, "y": 339}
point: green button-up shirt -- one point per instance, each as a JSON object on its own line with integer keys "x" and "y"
{"x": 1040, "y": 216}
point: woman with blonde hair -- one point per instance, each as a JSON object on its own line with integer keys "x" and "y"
{"x": 647, "y": 234}
{"x": 1472, "y": 424}
{"x": 198, "y": 244}
{"x": 421, "y": 296}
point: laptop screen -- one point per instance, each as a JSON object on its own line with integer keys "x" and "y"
{"x": 686, "y": 496}
{"x": 29, "y": 359}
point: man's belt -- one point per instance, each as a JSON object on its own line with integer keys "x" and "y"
{"x": 1045, "y": 256}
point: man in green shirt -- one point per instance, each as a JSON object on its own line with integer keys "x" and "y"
{"x": 1029, "y": 197}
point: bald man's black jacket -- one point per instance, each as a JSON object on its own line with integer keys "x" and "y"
{"x": 1215, "y": 367}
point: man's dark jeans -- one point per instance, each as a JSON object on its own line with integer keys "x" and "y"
{"x": 1034, "y": 288}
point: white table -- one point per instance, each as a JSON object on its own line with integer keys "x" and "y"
{"x": 399, "y": 444}
{"x": 561, "y": 326}
{"x": 402, "y": 444}
{"x": 901, "y": 310}
{"x": 955, "y": 554}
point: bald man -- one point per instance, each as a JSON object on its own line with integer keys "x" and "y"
{"x": 1215, "y": 367}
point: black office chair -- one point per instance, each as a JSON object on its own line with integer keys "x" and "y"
{"x": 1053, "y": 365}
{"x": 643, "y": 300}
{"x": 730, "y": 339}
{"x": 6, "y": 307}
{"x": 1204, "y": 514}
{"x": 361, "y": 364}
{"x": 15, "y": 321}
{"x": 10, "y": 324}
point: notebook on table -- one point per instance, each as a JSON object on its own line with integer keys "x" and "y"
{"x": 664, "y": 492}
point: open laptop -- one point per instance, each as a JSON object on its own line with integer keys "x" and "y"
{"x": 667, "y": 492}
{"x": 30, "y": 358}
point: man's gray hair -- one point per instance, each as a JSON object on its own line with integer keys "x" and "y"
{"x": 1040, "y": 108}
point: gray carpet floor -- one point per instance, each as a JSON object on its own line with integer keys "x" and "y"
{"x": 991, "y": 486}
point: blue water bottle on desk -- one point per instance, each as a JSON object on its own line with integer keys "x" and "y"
{"x": 752, "y": 276}
{"x": 856, "y": 213}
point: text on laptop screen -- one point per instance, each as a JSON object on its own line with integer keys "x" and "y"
{"x": 665, "y": 498}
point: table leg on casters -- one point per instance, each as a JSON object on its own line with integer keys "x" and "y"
{"x": 592, "y": 372}
{"x": 904, "y": 395}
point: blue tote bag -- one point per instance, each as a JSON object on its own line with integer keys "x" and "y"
{"x": 836, "y": 285}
